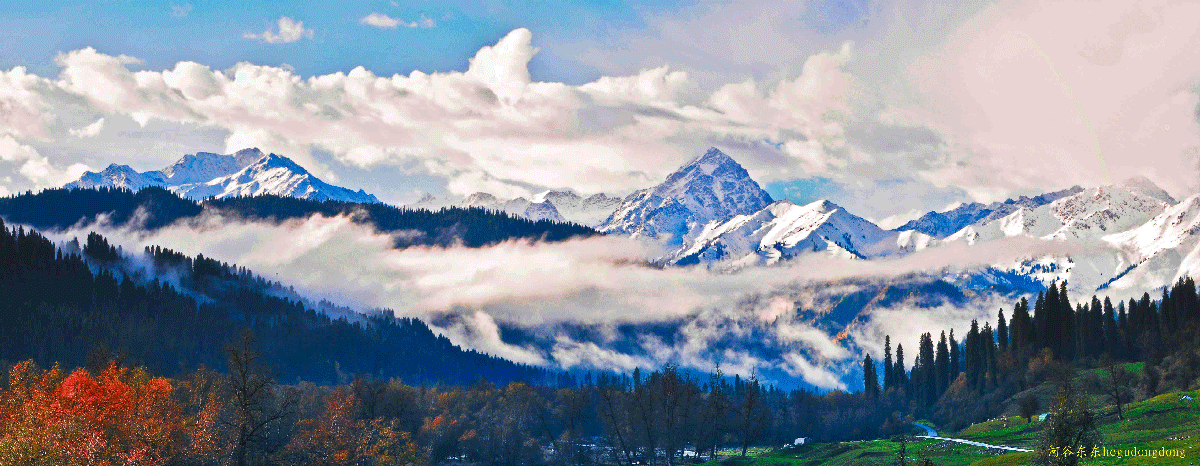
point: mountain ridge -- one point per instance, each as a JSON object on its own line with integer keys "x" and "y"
{"x": 247, "y": 172}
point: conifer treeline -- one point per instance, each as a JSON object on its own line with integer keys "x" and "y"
{"x": 997, "y": 362}
{"x": 57, "y": 308}
{"x": 153, "y": 208}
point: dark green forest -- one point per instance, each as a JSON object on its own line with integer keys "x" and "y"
{"x": 153, "y": 208}
{"x": 956, "y": 383}
{"x": 61, "y": 304}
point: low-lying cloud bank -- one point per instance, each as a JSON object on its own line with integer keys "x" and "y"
{"x": 595, "y": 303}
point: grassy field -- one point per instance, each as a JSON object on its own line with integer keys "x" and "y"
{"x": 1168, "y": 421}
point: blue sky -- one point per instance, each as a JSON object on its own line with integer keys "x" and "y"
{"x": 210, "y": 32}
{"x": 890, "y": 108}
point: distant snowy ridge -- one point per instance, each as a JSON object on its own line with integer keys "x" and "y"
{"x": 784, "y": 230}
{"x": 248, "y": 172}
{"x": 1087, "y": 221}
{"x": 1086, "y": 215}
{"x": 558, "y": 206}
{"x": 943, "y": 224}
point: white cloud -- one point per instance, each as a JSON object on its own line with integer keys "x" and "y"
{"x": 36, "y": 167}
{"x": 650, "y": 86}
{"x": 23, "y": 105}
{"x": 180, "y": 11}
{"x": 89, "y": 131}
{"x": 289, "y": 31}
{"x": 797, "y": 365}
{"x": 380, "y": 20}
{"x": 1075, "y": 92}
{"x": 383, "y": 21}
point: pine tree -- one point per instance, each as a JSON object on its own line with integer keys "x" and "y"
{"x": 955, "y": 359}
{"x": 974, "y": 358}
{"x": 870, "y": 380}
{"x": 925, "y": 362}
{"x": 1039, "y": 318}
{"x": 1111, "y": 333}
{"x": 942, "y": 365}
{"x": 889, "y": 378}
{"x": 1067, "y": 324}
{"x": 990, "y": 363}
{"x": 1002, "y": 330}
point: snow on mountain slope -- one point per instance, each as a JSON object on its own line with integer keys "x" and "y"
{"x": 1086, "y": 215}
{"x": 557, "y": 206}
{"x": 542, "y": 211}
{"x": 205, "y": 166}
{"x": 712, "y": 187}
{"x": 519, "y": 207}
{"x": 246, "y": 173}
{"x": 1081, "y": 222}
{"x": 784, "y": 230}
{"x": 1162, "y": 250}
{"x": 943, "y": 224}
{"x": 272, "y": 174}
{"x": 119, "y": 176}
{"x": 590, "y": 211}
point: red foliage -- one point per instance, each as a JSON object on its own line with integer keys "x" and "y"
{"x": 119, "y": 417}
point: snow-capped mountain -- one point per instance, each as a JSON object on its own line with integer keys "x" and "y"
{"x": 1081, "y": 225}
{"x": 248, "y": 172}
{"x": 542, "y": 211}
{"x": 1162, "y": 250}
{"x": 784, "y": 230}
{"x": 943, "y": 224}
{"x": 519, "y": 207}
{"x": 712, "y": 187}
{"x": 1086, "y": 215}
{"x": 558, "y": 206}
{"x": 590, "y": 211}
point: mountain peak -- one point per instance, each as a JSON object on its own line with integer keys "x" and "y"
{"x": 480, "y": 199}
{"x": 712, "y": 187}
{"x": 823, "y": 205}
{"x": 713, "y": 157}
{"x": 1144, "y": 185}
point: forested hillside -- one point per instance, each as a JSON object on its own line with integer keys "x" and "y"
{"x": 957, "y": 383}
{"x": 60, "y": 305}
{"x": 153, "y": 208}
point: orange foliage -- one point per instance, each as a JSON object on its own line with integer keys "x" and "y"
{"x": 119, "y": 417}
{"x": 337, "y": 437}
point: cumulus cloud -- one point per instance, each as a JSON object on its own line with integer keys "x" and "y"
{"x": 89, "y": 131}
{"x": 289, "y": 31}
{"x": 490, "y": 128}
{"x": 23, "y": 105}
{"x": 36, "y": 167}
{"x": 383, "y": 21}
